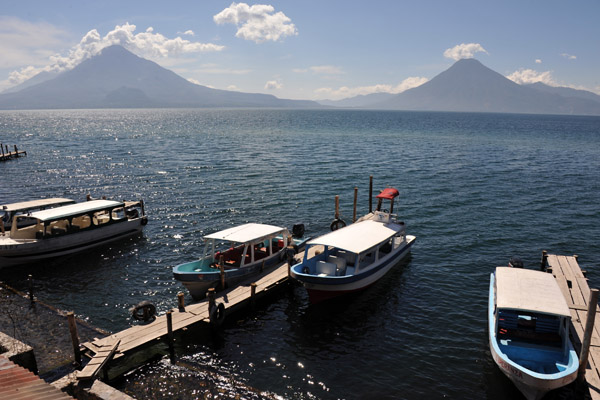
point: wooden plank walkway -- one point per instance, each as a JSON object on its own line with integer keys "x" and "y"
{"x": 233, "y": 299}
{"x": 574, "y": 287}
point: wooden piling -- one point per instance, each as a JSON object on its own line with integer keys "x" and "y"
{"x": 371, "y": 193}
{"x": 587, "y": 334}
{"x": 355, "y": 200}
{"x": 253, "y": 295}
{"x": 181, "y": 301}
{"x": 211, "y": 299}
{"x": 30, "y": 287}
{"x": 74, "y": 336}
{"x": 544, "y": 260}
{"x": 170, "y": 327}
{"x": 337, "y": 206}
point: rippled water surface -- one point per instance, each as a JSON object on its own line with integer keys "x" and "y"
{"x": 475, "y": 190}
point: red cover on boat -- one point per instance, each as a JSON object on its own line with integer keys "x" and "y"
{"x": 388, "y": 193}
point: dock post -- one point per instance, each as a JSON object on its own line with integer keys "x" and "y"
{"x": 252, "y": 295}
{"x": 74, "y": 336}
{"x": 181, "y": 301}
{"x": 370, "y": 193}
{"x": 211, "y": 299}
{"x": 355, "y": 199}
{"x": 337, "y": 206}
{"x": 16, "y": 152}
{"x": 587, "y": 334}
{"x": 30, "y": 287}
{"x": 2, "y": 148}
{"x": 170, "y": 334}
{"x": 544, "y": 260}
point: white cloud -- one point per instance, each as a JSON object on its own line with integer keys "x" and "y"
{"x": 273, "y": 85}
{"x": 464, "y": 50}
{"x": 258, "y": 23}
{"x": 189, "y": 32}
{"x": 326, "y": 70}
{"x": 523, "y": 75}
{"x": 146, "y": 44}
{"x": 27, "y": 43}
{"x": 569, "y": 56}
{"x": 538, "y": 61}
{"x": 233, "y": 87}
{"x": 346, "y": 92}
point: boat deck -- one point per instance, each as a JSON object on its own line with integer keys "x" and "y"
{"x": 574, "y": 287}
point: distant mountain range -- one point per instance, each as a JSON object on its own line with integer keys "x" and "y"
{"x": 116, "y": 78}
{"x": 469, "y": 86}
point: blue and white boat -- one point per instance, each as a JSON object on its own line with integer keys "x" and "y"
{"x": 529, "y": 322}
{"x": 353, "y": 257}
{"x": 246, "y": 251}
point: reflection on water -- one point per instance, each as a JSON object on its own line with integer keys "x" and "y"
{"x": 475, "y": 190}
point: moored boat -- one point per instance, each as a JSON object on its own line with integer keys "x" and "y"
{"x": 69, "y": 229}
{"x": 246, "y": 251}
{"x": 8, "y": 211}
{"x": 354, "y": 257}
{"x": 529, "y": 323}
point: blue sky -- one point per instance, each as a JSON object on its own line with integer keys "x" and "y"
{"x": 310, "y": 49}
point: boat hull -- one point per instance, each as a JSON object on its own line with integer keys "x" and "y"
{"x": 15, "y": 252}
{"x": 324, "y": 288}
{"x": 534, "y": 385}
{"x": 198, "y": 283}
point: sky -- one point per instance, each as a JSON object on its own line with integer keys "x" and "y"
{"x": 310, "y": 49}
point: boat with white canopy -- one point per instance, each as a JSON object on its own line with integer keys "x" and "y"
{"x": 353, "y": 257}
{"x": 529, "y": 322}
{"x": 238, "y": 253}
{"x": 8, "y": 211}
{"x": 69, "y": 229}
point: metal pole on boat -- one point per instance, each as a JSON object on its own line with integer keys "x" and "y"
{"x": 371, "y": 193}
{"x": 222, "y": 271}
{"x": 587, "y": 334}
{"x": 355, "y": 199}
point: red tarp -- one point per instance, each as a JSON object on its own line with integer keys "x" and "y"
{"x": 388, "y": 193}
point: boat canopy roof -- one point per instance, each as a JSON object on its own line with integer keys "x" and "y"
{"x": 74, "y": 209}
{"x": 246, "y": 233}
{"x": 26, "y": 205}
{"x": 358, "y": 237}
{"x": 388, "y": 193}
{"x": 529, "y": 290}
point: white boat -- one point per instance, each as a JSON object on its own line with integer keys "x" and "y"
{"x": 69, "y": 229}
{"x": 353, "y": 257}
{"x": 529, "y": 323}
{"x": 8, "y": 211}
{"x": 246, "y": 250}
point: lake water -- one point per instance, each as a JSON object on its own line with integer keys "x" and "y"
{"x": 475, "y": 189}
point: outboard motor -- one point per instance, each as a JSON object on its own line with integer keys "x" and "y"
{"x": 298, "y": 230}
{"x": 515, "y": 262}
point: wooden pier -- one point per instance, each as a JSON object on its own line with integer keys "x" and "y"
{"x": 7, "y": 155}
{"x": 176, "y": 319}
{"x": 574, "y": 287}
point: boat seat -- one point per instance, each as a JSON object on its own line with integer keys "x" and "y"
{"x": 325, "y": 268}
{"x": 349, "y": 257}
{"x": 340, "y": 264}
